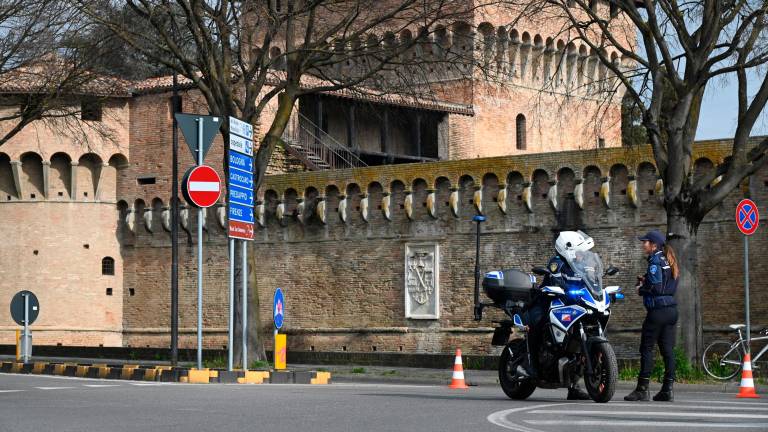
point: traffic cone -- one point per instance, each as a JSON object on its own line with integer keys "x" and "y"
{"x": 457, "y": 381}
{"x": 747, "y": 388}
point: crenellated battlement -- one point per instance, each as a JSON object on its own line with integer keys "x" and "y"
{"x": 615, "y": 179}
{"x": 491, "y": 182}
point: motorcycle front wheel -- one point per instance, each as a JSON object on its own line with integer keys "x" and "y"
{"x": 602, "y": 384}
{"x": 511, "y": 357}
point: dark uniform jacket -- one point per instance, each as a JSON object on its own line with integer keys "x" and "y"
{"x": 659, "y": 287}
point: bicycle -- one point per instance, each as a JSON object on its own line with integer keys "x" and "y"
{"x": 723, "y": 360}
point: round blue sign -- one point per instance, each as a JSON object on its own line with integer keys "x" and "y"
{"x": 278, "y": 307}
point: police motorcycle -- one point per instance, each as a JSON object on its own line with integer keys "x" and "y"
{"x": 573, "y": 340}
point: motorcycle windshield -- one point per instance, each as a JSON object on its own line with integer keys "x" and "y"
{"x": 589, "y": 266}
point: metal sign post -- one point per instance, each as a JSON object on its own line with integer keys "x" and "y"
{"x": 199, "y": 143}
{"x": 24, "y": 311}
{"x": 25, "y": 352}
{"x": 199, "y": 259}
{"x": 240, "y": 217}
{"x": 747, "y": 219}
{"x": 231, "y": 339}
{"x": 245, "y": 305}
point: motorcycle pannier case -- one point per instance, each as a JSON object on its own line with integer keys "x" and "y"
{"x": 504, "y": 285}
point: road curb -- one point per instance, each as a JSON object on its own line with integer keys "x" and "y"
{"x": 138, "y": 372}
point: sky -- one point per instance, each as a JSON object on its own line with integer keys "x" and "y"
{"x": 720, "y": 110}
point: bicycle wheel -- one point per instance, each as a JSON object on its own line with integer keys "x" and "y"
{"x": 722, "y": 360}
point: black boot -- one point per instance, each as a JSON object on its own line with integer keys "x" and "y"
{"x": 641, "y": 392}
{"x": 666, "y": 394}
{"x": 576, "y": 393}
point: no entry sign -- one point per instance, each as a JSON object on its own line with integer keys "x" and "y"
{"x": 201, "y": 186}
{"x": 747, "y": 217}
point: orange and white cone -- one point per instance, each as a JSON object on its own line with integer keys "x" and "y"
{"x": 457, "y": 381}
{"x": 747, "y": 388}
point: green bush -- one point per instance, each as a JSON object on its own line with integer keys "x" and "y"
{"x": 628, "y": 373}
{"x": 260, "y": 365}
{"x": 685, "y": 370}
{"x": 358, "y": 370}
{"x": 215, "y": 363}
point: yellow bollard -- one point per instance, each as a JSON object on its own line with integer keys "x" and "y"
{"x": 281, "y": 351}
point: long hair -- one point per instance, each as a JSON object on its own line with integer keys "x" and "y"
{"x": 672, "y": 259}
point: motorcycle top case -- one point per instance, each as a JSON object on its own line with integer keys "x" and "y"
{"x": 504, "y": 285}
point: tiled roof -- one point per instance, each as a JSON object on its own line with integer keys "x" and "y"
{"x": 51, "y": 76}
{"x": 43, "y": 78}
{"x": 165, "y": 83}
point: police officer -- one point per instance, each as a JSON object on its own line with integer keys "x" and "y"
{"x": 658, "y": 287}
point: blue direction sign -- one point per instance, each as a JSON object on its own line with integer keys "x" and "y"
{"x": 241, "y": 128}
{"x": 241, "y": 196}
{"x": 241, "y": 179}
{"x": 240, "y": 161}
{"x": 240, "y": 144}
{"x": 241, "y": 213}
{"x": 278, "y": 308}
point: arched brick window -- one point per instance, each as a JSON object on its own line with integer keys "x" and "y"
{"x": 520, "y": 132}
{"x": 108, "y": 266}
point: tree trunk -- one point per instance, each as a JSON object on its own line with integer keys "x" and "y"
{"x": 682, "y": 238}
{"x": 255, "y": 338}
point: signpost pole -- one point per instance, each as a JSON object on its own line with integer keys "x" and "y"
{"x": 230, "y": 344}
{"x": 200, "y": 256}
{"x": 746, "y": 289}
{"x": 25, "y": 346}
{"x": 245, "y": 304}
{"x": 175, "y": 227}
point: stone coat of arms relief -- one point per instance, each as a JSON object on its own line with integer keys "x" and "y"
{"x": 421, "y": 281}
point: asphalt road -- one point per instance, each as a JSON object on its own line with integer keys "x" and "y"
{"x": 46, "y": 403}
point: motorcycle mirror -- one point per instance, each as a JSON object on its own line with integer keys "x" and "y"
{"x": 517, "y": 320}
{"x": 541, "y": 271}
{"x": 611, "y": 270}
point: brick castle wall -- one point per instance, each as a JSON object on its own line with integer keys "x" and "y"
{"x": 344, "y": 281}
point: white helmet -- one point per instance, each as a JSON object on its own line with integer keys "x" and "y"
{"x": 570, "y": 242}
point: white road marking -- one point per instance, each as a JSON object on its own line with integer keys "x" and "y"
{"x": 147, "y": 384}
{"x": 100, "y": 385}
{"x": 10, "y": 391}
{"x": 53, "y": 388}
{"x": 705, "y": 407}
{"x": 499, "y": 418}
{"x": 638, "y": 423}
{"x": 648, "y": 413}
{"x": 510, "y": 419}
{"x": 723, "y": 402}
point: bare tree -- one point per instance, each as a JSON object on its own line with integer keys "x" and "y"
{"x": 244, "y": 55}
{"x": 45, "y": 61}
{"x": 664, "y": 54}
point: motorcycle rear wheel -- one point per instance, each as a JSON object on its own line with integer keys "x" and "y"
{"x": 602, "y": 384}
{"x": 508, "y": 362}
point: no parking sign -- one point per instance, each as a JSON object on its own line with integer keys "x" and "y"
{"x": 747, "y": 219}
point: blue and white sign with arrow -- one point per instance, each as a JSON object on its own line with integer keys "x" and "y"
{"x": 278, "y": 308}
{"x": 241, "y": 213}
{"x": 241, "y": 196}
{"x": 240, "y": 161}
{"x": 240, "y": 180}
